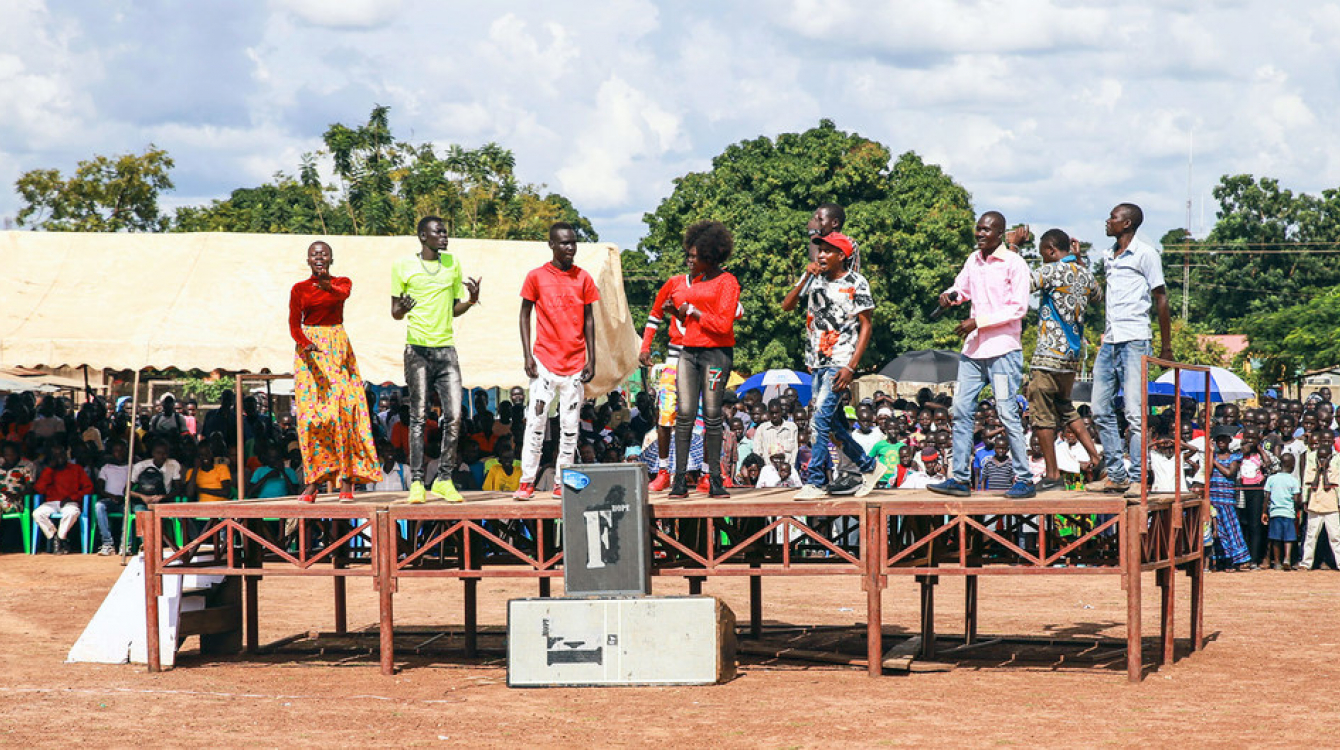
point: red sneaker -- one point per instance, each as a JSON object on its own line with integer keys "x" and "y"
{"x": 558, "y": 490}
{"x": 702, "y": 484}
{"x": 524, "y": 491}
{"x": 661, "y": 483}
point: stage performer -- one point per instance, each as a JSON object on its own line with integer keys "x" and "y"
{"x": 839, "y": 324}
{"x": 563, "y": 357}
{"x": 667, "y": 388}
{"x": 707, "y": 309}
{"x": 1134, "y": 281}
{"x": 829, "y": 218}
{"x": 334, "y": 430}
{"x": 427, "y": 289}
{"x": 996, "y": 281}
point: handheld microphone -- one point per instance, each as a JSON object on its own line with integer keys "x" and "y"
{"x": 953, "y": 297}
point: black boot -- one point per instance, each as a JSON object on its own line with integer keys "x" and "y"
{"x": 714, "y": 486}
{"x": 679, "y": 486}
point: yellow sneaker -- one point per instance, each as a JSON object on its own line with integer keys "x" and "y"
{"x": 416, "y": 494}
{"x": 445, "y": 489}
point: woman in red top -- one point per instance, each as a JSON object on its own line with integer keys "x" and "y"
{"x": 707, "y": 309}
{"x": 334, "y": 431}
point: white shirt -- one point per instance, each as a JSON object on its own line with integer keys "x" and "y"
{"x": 1069, "y": 457}
{"x": 170, "y": 468}
{"x": 1165, "y": 472}
{"x": 1131, "y": 276}
{"x": 867, "y": 440}
{"x": 113, "y": 478}
{"x": 916, "y": 480}
{"x": 394, "y": 479}
{"x": 768, "y": 477}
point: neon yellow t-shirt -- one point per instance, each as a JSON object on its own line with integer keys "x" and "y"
{"x": 435, "y": 287}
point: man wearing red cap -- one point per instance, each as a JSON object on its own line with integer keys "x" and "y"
{"x": 839, "y": 325}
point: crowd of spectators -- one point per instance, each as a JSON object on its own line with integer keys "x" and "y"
{"x": 1248, "y": 456}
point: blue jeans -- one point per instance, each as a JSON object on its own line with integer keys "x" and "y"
{"x": 1004, "y": 374}
{"x": 1118, "y": 368}
{"x": 102, "y": 510}
{"x": 828, "y": 419}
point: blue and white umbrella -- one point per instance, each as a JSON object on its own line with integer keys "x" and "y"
{"x": 1224, "y": 385}
{"x": 773, "y": 382}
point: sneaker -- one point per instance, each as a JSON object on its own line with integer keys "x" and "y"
{"x": 445, "y": 489}
{"x": 557, "y": 491}
{"x": 1020, "y": 490}
{"x": 106, "y": 550}
{"x": 869, "y": 480}
{"x": 702, "y": 484}
{"x": 417, "y": 494}
{"x": 524, "y": 491}
{"x": 1050, "y": 485}
{"x": 661, "y": 482}
{"x": 679, "y": 486}
{"x": 1132, "y": 492}
{"x": 951, "y": 487}
{"x": 1108, "y": 485}
{"x": 845, "y": 484}
{"x": 811, "y": 492}
{"x": 715, "y": 488}
{"x": 1286, "y": 566}
{"x": 59, "y": 546}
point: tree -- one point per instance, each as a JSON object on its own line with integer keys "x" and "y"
{"x": 1295, "y": 339}
{"x": 105, "y": 194}
{"x": 385, "y": 186}
{"x": 1256, "y": 258}
{"x": 912, "y": 222}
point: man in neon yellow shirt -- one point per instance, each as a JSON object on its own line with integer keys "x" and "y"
{"x": 426, "y": 290}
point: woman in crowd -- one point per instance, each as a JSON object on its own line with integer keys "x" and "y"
{"x": 334, "y": 431}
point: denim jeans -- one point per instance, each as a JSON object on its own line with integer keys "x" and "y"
{"x": 703, "y": 372}
{"x": 1118, "y": 368}
{"x": 827, "y": 420}
{"x": 433, "y": 367}
{"x": 1004, "y": 374}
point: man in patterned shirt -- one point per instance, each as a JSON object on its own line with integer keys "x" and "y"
{"x": 1066, "y": 288}
{"x": 839, "y": 325}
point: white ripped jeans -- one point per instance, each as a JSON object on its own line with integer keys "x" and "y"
{"x": 570, "y": 390}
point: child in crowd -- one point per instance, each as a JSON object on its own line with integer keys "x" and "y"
{"x": 505, "y": 474}
{"x": 998, "y": 468}
{"x": 1163, "y": 465}
{"x": 1224, "y": 464}
{"x": 1323, "y": 510}
{"x": 1283, "y": 490}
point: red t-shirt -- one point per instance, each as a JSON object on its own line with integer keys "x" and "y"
{"x": 560, "y": 299}
{"x": 717, "y": 302}
{"x": 69, "y": 483}
{"x": 676, "y": 331}
{"x": 309, "y": 304}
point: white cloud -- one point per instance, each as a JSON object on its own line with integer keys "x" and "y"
{"x": 624, "y": 126}
{"x": 343, "y": 14}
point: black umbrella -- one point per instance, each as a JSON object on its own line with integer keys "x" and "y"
{"x": 923, "y": 366}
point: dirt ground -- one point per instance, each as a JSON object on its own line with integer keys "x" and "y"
{"x": 1266, "y": 677}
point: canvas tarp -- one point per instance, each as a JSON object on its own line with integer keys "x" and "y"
{"x": 220, "y": 301}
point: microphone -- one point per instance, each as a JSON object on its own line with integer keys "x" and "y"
{"x": 953, "y": 297}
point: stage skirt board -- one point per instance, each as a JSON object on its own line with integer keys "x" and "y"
{"x": 754, "y": 533}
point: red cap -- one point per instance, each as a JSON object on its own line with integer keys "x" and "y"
{"x": 840, "y": 241}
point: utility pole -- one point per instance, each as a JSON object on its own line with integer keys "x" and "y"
{"x": 1186, "y": 251}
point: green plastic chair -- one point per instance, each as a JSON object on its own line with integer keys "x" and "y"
{"x": 127, "y": 516}
{"x": 25, "y": 518}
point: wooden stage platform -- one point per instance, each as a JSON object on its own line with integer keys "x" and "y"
{"x": 754, "y": 533}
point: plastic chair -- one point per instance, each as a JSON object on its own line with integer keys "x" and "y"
{"x": 24, "y": 515}
{"x": 127, "y": 516}
{"x": 85, "y": 527}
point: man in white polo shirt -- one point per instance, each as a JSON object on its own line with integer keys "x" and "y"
{"x": 1134, "y": 271}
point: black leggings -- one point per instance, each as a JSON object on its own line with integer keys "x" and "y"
{"x": 702, "y": 376}
{"x": 1253, "y": 531}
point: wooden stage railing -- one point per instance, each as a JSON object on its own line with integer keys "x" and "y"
{"x": 755, "y": 533}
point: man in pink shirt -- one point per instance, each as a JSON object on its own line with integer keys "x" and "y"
{"x": 996, "y": 281}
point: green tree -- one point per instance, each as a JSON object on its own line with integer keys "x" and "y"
{"x": 1295, "y": 339}
{"x": 285, "y": 206}
{"x": 1255, "y": 260}
{"x": 105, "y": 194}
{"x": 912, "y": 222}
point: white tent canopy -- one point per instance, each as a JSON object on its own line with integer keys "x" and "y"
{"x": 220, "y": 301}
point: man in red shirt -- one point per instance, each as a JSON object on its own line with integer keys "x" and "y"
{"x": 564, "y": 353}
{"x": 62, "y": 485}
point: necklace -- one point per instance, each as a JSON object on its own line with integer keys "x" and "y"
{"x": 424, "y": 266}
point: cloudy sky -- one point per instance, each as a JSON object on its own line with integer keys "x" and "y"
{"x": 1050, "y": 111}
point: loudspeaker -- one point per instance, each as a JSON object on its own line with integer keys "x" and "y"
{"x": 606, "y": 531}
{"x": 655, "y": 640}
